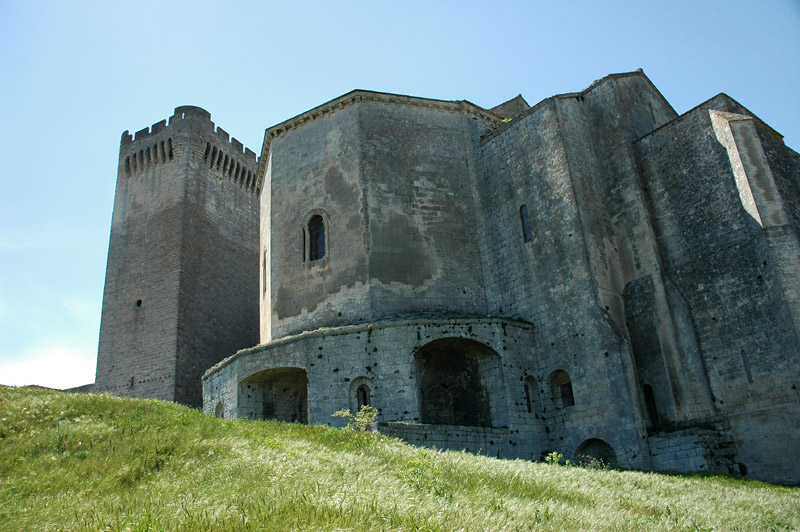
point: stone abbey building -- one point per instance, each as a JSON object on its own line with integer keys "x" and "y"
{"x": 594, "y": 275}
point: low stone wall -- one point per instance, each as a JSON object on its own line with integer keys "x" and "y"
{"x": 498, "y": 442}
{"x": 693, "y": 450}
{"x": 86, "y": 388}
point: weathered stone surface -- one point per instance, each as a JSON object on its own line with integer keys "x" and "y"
{"x": 181, "y": 280}
{"x": 596, "y": 275}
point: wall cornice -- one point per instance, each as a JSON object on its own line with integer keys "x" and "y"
{"x": 359, "y": 96}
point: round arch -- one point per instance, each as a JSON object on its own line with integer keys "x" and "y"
{"x": 277, "y": 393}
{"x": 460, "y": 382}
{"x": 597, "y": 449}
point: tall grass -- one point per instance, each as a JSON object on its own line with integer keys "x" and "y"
{"x": 93, "y": 462}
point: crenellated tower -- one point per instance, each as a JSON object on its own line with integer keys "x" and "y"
{"x": 181, "y": 289}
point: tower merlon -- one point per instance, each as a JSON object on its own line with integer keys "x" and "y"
{"x": 158, "y": 127}
{"x": 142, "y": 133}
{"x": 191, "y": 111}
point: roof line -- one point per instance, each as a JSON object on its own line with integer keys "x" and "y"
{"x": 596, "y": 83}
{"x": 361, "y": 95}
{"x": 706, "y": 104}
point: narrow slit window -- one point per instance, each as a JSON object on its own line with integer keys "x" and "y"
{"x": 650, "y": 404}
{"x": 528, "y": 397}
{"x": 264, "y": 274}
{"x": 526, "y": 223}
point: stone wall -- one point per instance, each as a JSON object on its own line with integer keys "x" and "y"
{"x": 521, "y": 395}
{"x": 479, "y": 440}
{"x": 181, "y": 280}
{"x": 584, "y": 277}
{"x": 392, "y": 182}
{"x": 694, "y": 450}
{"x": 715, "y": 237}
{"x": 548, "y": 278}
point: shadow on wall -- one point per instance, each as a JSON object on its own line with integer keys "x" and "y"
{"x": 460, "y": 383}
{"x": 279, "y": 393}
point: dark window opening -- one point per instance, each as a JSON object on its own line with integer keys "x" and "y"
{"x": 460, "y": 384}
{"x": 650, "y": 404}
{"x": 562, "y": 388}
{"x": 316, "y": 238}
{"x": 279, "y": 393}
{"x": 362, "y": 396}
{"x": 526, "y": 224}
{"x": 596, "y": 449}
{"x": 264, "y": 274}
{"x": 747, "y": 370}
{"x": 528, "y": 396}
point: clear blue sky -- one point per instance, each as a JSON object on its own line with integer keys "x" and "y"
{"x": 75, "y": 75}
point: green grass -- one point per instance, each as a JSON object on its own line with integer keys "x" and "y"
{"x": 92, "y": 462}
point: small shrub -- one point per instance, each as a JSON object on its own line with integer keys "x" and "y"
{"x": 422, "y": 474}
{"x": 361, "y": 421}
{"x": 591, "y": 462}
{"x": 553, "y": 458}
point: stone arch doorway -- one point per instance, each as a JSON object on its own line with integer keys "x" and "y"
{"x": 279, "y": 393}
{"x": 460, "y": 382}
{"x": 596, "y": 448}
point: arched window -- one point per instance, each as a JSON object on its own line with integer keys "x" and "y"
{"x": 361, "y": 392}
{"x": 219, "y": 411}
{"x": 362, "y": 396}
{"x": 526, "y": 224}
{"x": 316, "y": 238}
{"x": 561, "y": 387}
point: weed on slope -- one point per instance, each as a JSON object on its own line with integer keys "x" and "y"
{"x": 94, "y": 462}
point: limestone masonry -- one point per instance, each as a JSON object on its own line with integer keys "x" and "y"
{"x": 593, "y": 275}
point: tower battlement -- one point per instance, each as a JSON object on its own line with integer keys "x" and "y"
{"x": 158, "y": 144}
{"x": 188, "y": 112}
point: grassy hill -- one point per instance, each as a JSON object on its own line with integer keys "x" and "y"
{"x": 93, "y": 462}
